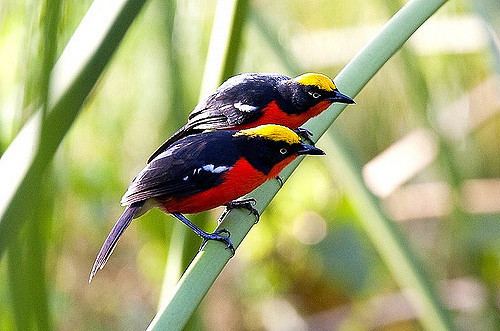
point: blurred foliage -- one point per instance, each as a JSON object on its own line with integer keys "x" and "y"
{"x": 151, "y": 85}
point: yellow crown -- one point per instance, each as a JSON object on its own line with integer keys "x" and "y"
{"x": 321, "y": 81}
{"x": 272, "y": 132}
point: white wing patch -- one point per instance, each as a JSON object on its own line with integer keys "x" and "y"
{"x": 216, "y": 170}
{"x": 208, "y": 168}
{"x": 245, "y": 108}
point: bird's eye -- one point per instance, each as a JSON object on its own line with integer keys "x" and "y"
{"x": 283, "y": 151}
{"x": 315, "y": 95}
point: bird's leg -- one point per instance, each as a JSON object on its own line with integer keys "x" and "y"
{"x": 304, "y": 133}
{"x": 217, "y": 235}
{"x": 243, "y": 203}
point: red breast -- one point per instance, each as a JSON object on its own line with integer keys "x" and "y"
{"x": 272, "y": 114}
{"x": 240, "y": 180}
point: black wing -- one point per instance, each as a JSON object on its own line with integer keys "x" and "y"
{"x": 238, "y": 101}
{"x": 189, "y": 166}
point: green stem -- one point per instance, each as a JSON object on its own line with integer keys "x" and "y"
{"x": 208, "y": 264}
{"x": 35, "y": 267}
{"x": 220, "y": 64}
{"x": 19, "y": 292}
{"x": 36, "y": 253}
{"x": 224, "y": 40}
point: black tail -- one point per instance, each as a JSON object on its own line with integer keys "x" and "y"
{"x": 109, "y": 244}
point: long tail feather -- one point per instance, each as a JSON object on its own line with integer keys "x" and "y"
{"x": 110, "y": 243}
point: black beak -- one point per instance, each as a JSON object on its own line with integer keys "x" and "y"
{"x": 309, "y": 150}
{"x": 341, "y": 98}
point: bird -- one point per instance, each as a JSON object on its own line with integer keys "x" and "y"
{"x": 203, "y": 171}
{"x": 251, "y": 99}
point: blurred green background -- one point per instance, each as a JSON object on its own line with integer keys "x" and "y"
{"x": 426, "y": 129}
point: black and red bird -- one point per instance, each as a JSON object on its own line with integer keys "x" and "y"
{"x": 203, "y": 171}
{"x": 251, "y": 99}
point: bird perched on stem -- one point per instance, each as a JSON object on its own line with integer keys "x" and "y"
{"x": 251, "y": 99}
{"x": 203, "y": 171}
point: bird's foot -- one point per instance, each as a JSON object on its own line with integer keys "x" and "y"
{"x": 221, "y": 235}
{"x": 246, "y": 204}
{"x": 304, "y": 134}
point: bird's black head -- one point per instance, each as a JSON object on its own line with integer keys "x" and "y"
{"x": 269, "y": 148}
{"x": 306, "y": 91}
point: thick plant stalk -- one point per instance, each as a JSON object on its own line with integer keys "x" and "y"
{"x": 219, "y": 65}
{"x": 209, "y": 263}
{"x": 75, "y": 74}
{"x": 222, "y": 49}
{"x": 34, "y": 262}
{"x": 27, "y": 274}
